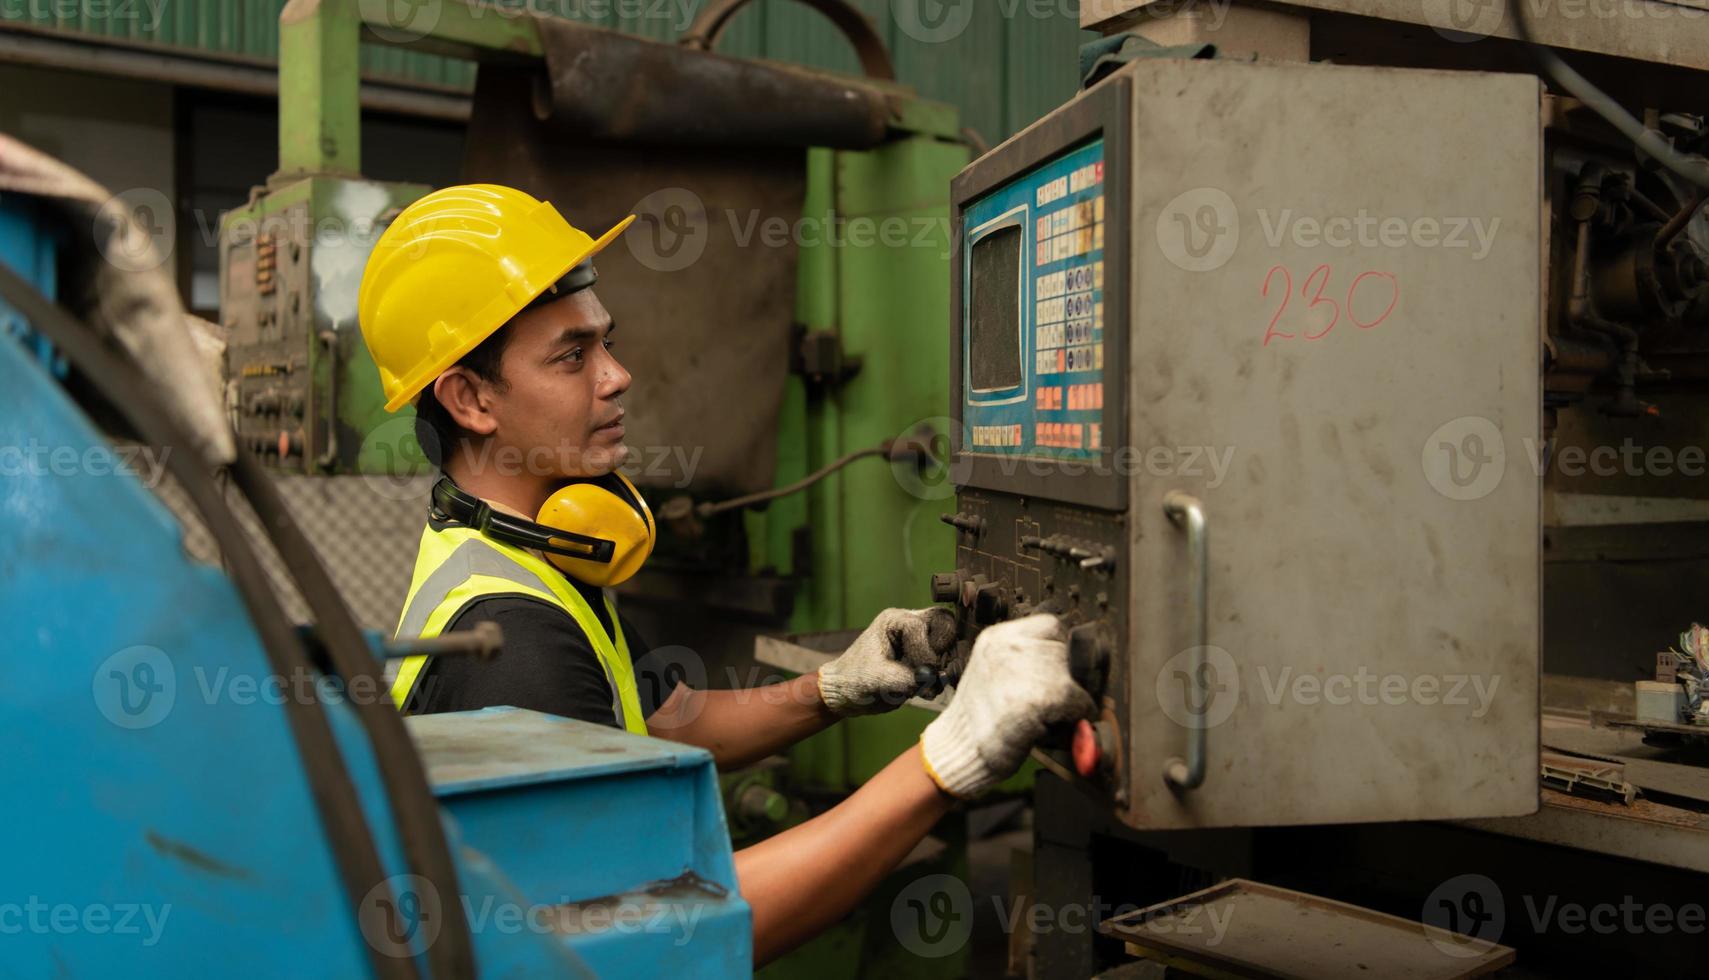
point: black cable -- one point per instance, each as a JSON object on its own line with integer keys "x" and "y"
{"x": 414, "y": 808}
{"x": 1647, "y": 140}
{"x": 749, "y": 500}
{"x": 335, "y": 797}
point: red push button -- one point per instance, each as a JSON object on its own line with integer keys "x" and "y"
{"x": 1086, "y": 752}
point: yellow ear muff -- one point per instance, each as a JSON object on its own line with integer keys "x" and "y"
{"x": 610, "y": 508}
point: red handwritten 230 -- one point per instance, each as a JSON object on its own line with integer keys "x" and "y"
{"x": 1316, "y": 299}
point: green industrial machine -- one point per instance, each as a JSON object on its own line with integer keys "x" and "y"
{"x": 867, "y": 354}
{"x": 870, "y": 365}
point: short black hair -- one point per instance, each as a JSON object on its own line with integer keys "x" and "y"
{"x": 435, "y": 429}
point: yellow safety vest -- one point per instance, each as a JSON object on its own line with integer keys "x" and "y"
{"x": 458, "y": 565}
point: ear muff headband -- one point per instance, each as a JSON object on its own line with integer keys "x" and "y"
{"x": 465, "y": 508}
{"x": 626, "y": 492}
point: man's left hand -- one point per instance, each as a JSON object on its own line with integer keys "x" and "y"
{"x": 903, "y": 651}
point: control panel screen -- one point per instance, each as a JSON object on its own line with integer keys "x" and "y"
{"x": 994, "y": 311}
{"x": 1033, "y": 330}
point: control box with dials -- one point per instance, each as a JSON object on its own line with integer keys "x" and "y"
{"x": 304, "y": 394}
{"x": 1209, "y": 336}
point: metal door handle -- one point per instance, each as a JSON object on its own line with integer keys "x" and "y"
{"x": 1187, "y": 511}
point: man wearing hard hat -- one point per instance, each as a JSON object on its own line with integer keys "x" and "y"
{"x": 478, "y": 308}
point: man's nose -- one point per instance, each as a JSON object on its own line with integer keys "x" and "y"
{"x": 613, "y": 379}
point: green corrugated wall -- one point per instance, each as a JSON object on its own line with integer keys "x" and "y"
{"x": 1012, "y": 61}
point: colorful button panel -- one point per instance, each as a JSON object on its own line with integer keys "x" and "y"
{"x": 1060, "y": 411}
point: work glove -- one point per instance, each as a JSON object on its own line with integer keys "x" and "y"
{"x": 1016, "y": 685}
{"x": 899, "y": 655}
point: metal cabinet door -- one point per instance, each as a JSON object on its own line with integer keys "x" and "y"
{"x": 1335, "y": 329}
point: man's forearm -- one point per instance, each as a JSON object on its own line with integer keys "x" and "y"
{"x": 742, "y": 727}
{"x": 811, "y": 876}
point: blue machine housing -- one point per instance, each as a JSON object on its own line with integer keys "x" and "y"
{"x": 159, "y": 818}
{"x": 617, "y": 842}
{"x": 29, "y": 248}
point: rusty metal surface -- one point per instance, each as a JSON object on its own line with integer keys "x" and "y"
{"x": 712, "y": 20}
{"x": 704, "y": 299}
{"x": 604, "y": 85}
{"x": 1644, "y": 831}
{"x": 1643, "y": 811}
{"x": 1603, "y": 719}
{"x": 1251, "y": 929}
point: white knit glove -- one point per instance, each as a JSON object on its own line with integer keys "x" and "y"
{"x": 882, "y": 668}
{"x": 1016, "y": 685}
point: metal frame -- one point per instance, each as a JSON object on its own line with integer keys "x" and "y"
{"x": 320, "y": 71}
{"x": 1104, "y": 110}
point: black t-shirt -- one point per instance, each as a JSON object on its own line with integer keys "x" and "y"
{"x": 546, "y": 663}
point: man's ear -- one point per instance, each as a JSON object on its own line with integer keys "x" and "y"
{"x": 467, "y": 399}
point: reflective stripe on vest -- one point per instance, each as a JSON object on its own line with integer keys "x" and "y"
{"x": 459, "y": 565}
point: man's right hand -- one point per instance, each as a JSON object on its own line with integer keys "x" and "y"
{"x": 1015, "y": 687}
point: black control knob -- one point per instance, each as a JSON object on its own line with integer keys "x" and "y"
{"x": 971, "y": 523}
{"x": 1089, "y": 648}
{"x": 1057, "y": 545}
{"x": 990, "y": 603}
{"x": 946, "y": 586}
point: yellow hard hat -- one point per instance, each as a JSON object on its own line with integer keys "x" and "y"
{"x": 452, "y": 268}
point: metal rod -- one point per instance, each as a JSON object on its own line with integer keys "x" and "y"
{"x": 483, "y": 641}
{"x": 1185, "y": 509}
{"x": 604, "y": 85}
{"x": 1677, "y": 222}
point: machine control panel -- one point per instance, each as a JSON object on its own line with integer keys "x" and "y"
{"x": 266, "y": 304}
{"x": 1016, "y": 556}
{"x": 1144, "y": 281}
{"x": 1036, "y": 376}
{"x": 303, "y": 391}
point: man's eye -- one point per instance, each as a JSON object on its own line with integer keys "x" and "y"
{"x": 608, "y": 343}
{"x": 573, "y": 355}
